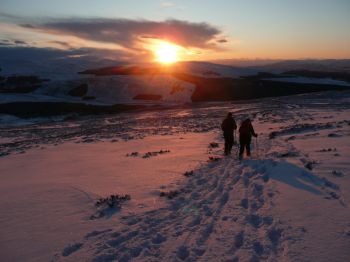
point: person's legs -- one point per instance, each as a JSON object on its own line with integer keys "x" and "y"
{"x": 230, "y": 143}
{"x": 248, "y": 147}
{"x": 226, "y": 147}
{"x": 230, "y": 147}
{"x": 241, "y": 148}
{"x": 227, "y": 144}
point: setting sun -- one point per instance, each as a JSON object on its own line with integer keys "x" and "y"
{"x": 166, "y": 53}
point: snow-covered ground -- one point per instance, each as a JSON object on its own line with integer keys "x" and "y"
{"x": 289, "y": 202}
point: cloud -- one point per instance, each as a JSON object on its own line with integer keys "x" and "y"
{"x": 63, "y": 44}
{"x": 8, "y": 16}
{"x": 19, "y": 42}
{"x": 223, "y": 40}
{"x": 32, "y": 53}
{"x": 13, "y": 42}
{"x": 167, "y": 4}
{"x": 130, "y": 33}
{"x": 54, "y": 55}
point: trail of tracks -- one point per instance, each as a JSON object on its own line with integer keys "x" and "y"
{"x": 222, "y": 214}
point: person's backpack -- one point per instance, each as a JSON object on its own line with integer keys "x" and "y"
{"x": 245, "y": 127}
{"x": 224, "y": 124}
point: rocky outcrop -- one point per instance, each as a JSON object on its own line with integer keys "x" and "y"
{"x": 79, "y": 91}
{"x": 226, "y": 89}
{"x": 20, "y": 84}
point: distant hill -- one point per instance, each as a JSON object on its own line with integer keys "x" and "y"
{"x": 98, "y": 83}
{"x": 328, "y": 65}
{"x": 222, "y": 83}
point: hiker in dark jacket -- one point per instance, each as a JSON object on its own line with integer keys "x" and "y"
{"x": 246, "y": 131}
{"x": 228, "y": 126}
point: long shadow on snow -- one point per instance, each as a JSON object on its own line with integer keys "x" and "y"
{"x": 288, "y": 173}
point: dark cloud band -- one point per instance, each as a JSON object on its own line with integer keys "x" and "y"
{"x": 128, "y": 33}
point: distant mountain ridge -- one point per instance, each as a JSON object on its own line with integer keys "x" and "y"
{"x": 87, "y": 81}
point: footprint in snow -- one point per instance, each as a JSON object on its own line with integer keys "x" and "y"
{"x": 104, "y": 257}
{"x": 257, "y": 190}
{"x": 199, "y": 251}
{"x": 136, "y": 251}
{"x": 274, "y": 235}
{"x": 265, "y": 178}
{"x": 258, "y": 248}
{"x": 244, "y": 203}
{"x": 196, "y": 221}
{"x": 182, "y": 252}
{"x": 254, "y": 220}
{"x": 158, "y": 239}
{"x": 268, "y": 220}
{"x": 238, "y": 241}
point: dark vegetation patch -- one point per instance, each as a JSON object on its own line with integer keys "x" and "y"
{"x": 170, "y": 194}
{"x": 147, "y": 97}
{"x": 155, "y": 153}
{"x": 213, "y": 145}
{"x": 148, "y": 154}
{"x": 333, "y": 135}
{"x": 112, "y": 201}
{"x": 337, "y": 173}
{"x": 188, "y": 173}
{"x": 107, "y": 206}
{"x": 133, "y": 154}
{"x": 327, "y": 150}
{"x": 213, "y": 159}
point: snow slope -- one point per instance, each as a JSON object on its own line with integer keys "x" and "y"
{"x": 52, "y": 201}
{"x": 122, "y": 89}
{"x": 289, "y": 202}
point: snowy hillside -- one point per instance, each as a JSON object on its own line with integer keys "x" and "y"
{"x": 122, "y": 89}
{"x": 289, "y": 202}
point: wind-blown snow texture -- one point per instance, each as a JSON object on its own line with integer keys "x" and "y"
{"x": 289, "y": 202}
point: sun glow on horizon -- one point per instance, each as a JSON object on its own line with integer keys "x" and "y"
{"x": 166, "y": 53}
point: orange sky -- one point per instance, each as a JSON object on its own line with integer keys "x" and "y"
{"x": 201, "y": 30}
